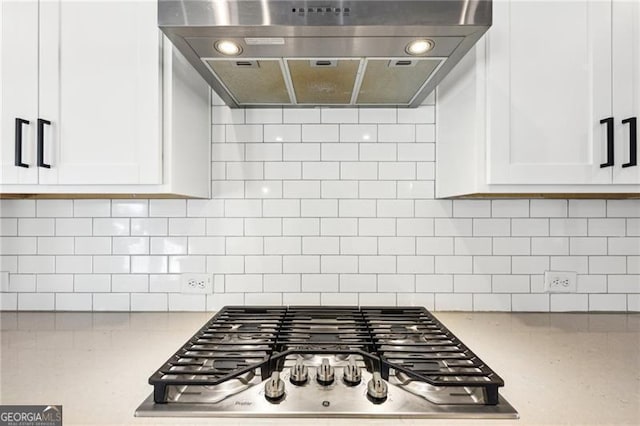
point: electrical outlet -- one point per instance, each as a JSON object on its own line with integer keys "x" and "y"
{"x": 196, "y": 283}
{"x": 559, "y": 281}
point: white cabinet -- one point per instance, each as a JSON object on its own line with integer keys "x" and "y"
{"x": 99, "y": 102}
{"x": 626, "y": 87}
{"x": 19, "y": 91}
{"x": 521, "y": 114}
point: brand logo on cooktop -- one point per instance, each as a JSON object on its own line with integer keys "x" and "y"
{"x": 244, "y": 403}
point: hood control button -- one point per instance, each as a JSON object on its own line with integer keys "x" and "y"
{"x": 352, "y": 375}
{"x": 274, "y": 388}
{"x": 325, "y": 374}
{"x": 377, "y": 389}
{"x": 299, "y": 373}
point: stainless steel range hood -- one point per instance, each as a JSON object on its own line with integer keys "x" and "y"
{"x": 261, "y": 53}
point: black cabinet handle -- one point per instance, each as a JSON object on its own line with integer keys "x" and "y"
{"x": 609, "y": 123}
{"x": 633, "y": 142}
{"x": 41, "y": 124}
{"x": 18, "y": 146}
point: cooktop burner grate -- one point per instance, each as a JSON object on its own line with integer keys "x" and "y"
{"x": 408, "y": 342}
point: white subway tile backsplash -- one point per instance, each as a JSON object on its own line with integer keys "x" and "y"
{"x": 548, "y": 208}
{"x": 36, "y": 264}
{"x": 282, "y": 245}
{"x": 587, "y": 208}
{"x": 46, "y": 283}
{"x": 36, "y": 301}
{"x": 358, "y": 283}
{"x": 623, "y": 208}
{"x": 377, "y": 264}
{"x": 395, "y": 208}
{"x": 321, "y": 170}
{"x": 607, "y": 264}
{"x": 320, "y": 205}
{"x": 550, "y": 246}
{"x": 130, "y": 245}
{"x": 114, "y": 264}
{"x": 111, "y": 226}
{"x": 338, "y": 226}
{"x": 510, "y": 208}
{"x": 587, "y": 246}
{"x": 263, "y": 115}
{"x": 129, "y": 208}
{"x": 415, "y": 227}
{"x": 357, "y": 208}
{"x": 472, "y": 283}
{"x": 492, "y": 302}
{"x": 239, "y": 245}
{"x": 168, "y": 245}
{"x": 453, "y": 302}
{"x": 434, "y": 283}
{"x": 92, "y": 283}
{"x": 607, "y": 302}
{"x": 149, "y": 302}
{"x": 377, "y": 115}
{"x": 358, "y": 170}
{"x": 324, "y": 283}
{"x": 416, "y": 189}
{"x": 358, "y": 245}
{"x": 358, "y": 133}
{"x": 568, "y": 227}
{"x": 396, "y": 133}
{"x": 284, "y": 283}
{"x": 320, "y": 245}
{"x": 149, "y": 226}
{"x": 491, "y": 264}
{"x": 18, "y": 208}
{"x": 471, "y": 208}
{"x": 623, "y": 284}
{"x": 282, "y": 133}
{"x": 394, "y": 283}
{"x": 339, "y": 189}
{"x": 36, "y": 227}
{"x": 301, "y": 115}
{"x": 435, "y": 246}
{"x": 73, "y": 302}
{"x": 73, "y": 264}
{"x": 472, "y": 246}
{"x": 607, "y": 227}
{"x": 54, "y": 208}
{"x": 320, "y": 133}
{"x": 491, "y": 227}
{"x": 577, "y": 264}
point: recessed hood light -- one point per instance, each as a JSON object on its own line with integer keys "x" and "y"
{"x": 419, "y": 47}
{"x": 228, "y": 48}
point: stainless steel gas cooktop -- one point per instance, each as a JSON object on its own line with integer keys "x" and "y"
{"x": 319, "y": 361}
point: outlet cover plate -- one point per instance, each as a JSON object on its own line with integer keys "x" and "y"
{"x": 560, "y": 281}
{"x": 193, "y": 283}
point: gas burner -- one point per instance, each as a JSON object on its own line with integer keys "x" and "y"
{"x": 320, "y": 361}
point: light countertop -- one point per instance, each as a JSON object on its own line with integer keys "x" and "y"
{"x": 558, "y": 368}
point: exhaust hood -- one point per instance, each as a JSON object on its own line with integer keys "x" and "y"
{"x": 370, "y": 53}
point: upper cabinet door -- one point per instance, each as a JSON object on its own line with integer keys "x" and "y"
{"x": 100, "y": 89}
{"x": 626, "y": 88}
{"x": 18, "y": 90}
{"x": 550, "y": 85}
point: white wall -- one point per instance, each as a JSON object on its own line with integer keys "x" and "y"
{"x": 320, "y": 206}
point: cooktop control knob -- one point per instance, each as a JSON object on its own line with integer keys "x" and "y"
{"x": 352, "y": 375}
{"x": 325, "y": 374}
{"x": 299, "y": 373}
{"x": 377, "y": 389}
{"x": 274, "y": 388}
